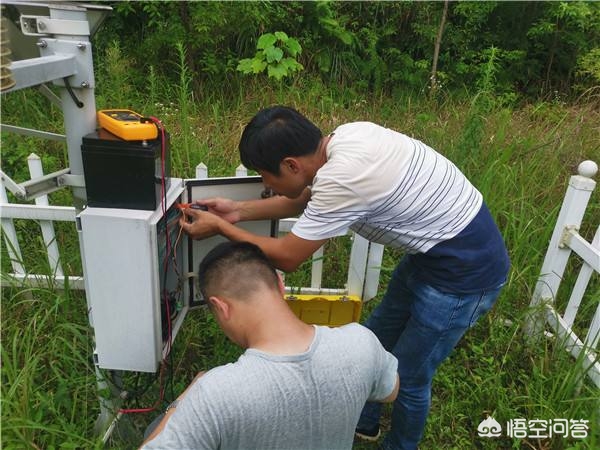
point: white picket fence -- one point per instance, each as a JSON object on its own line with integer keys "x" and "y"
{"x": 365, "y": 262}
{"x": 45, "y": 214}
{"x": 566, "y": 241}
{"x": 363, "y": 269}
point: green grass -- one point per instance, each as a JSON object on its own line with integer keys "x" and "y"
{"x": 520, "y": 158}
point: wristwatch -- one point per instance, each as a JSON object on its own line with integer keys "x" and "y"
{"x": 172, "y": 406}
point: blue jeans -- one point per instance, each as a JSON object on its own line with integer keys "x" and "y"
{"x": 420, "y": 326}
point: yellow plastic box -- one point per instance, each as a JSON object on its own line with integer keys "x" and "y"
{"x": 330, "y": 310}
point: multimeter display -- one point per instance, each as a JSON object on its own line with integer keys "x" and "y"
{"x": 126, "y": 124}
{"x": 127, "y": 116}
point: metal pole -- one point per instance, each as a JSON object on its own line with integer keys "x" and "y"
{"x": 79, "y": 121}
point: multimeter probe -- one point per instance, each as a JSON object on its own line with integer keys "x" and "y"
{"x": 182, "y": 206}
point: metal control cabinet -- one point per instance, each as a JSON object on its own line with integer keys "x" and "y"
{"x": 124, "y": 251}
{"x": 122, "y": 281}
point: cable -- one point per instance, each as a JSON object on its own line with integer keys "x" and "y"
{"x": 168, "y": 249}
{"x": 78, "y": 102}
{"x": 164, "y": 293}
{"x": 161, "y": 129}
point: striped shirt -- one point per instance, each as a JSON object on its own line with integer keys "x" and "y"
{"x": 399, "y": 192}
{"x": 390, "y": 189}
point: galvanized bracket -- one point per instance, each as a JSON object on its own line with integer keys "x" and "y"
{"x": 36, "y": 187}
{"x": 83, "y": 76}
{"x": 35, "y": 71}
{"x": 44, "y": 26}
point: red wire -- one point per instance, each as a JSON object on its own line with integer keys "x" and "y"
{"x": 168, "y": 237}
{"x": 160, "y": 126}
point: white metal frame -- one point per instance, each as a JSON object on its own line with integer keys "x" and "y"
{"x": 564, "y": 242}
{"x": 363, "y": 269}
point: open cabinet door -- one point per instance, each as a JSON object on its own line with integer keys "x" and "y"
{"x": 140, "y": 271}
{"x": 235, "y": 188}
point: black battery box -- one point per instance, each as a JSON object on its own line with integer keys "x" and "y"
{"x": 124, "y": 174}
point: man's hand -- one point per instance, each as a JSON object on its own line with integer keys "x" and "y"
{"x": 203, "y": 224}
{"x": 225, "y": 208}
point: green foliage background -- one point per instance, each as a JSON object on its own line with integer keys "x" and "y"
{"x": 517, "y": 109}
{"x": 542, "y": 47}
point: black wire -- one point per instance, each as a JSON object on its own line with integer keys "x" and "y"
{"x": 163, "y": 141}
{"x": 78, "y": 102}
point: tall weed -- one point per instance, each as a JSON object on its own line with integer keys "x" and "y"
{"x": 47, "y": 380}
{"x": 520, "y": 159}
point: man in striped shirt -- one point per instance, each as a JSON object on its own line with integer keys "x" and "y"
{"x": 393, "y": 190}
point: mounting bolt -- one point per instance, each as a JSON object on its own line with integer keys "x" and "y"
{"x": 41, "y": 25}
{"x": 42, "y": 44}
{"x": 81, "y": 46}
{"x": 85, "y": 84}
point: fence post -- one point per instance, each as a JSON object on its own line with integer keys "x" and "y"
{"x": 316, "y": 273}
{"x": 10, "y": 237}
{"x": 571, "y": 213}
{"x": 585, "y": 273}
{"x": 358, "y": 265}
{"x": 374, "y": 262}
{"x": 201, "y": 171}
{"x": 35, "y": 170}
{"x": 241, "y": 171}
{"x": 593, "y": 335}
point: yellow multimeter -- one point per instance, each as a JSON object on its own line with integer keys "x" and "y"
{"x": 127, "y": 125}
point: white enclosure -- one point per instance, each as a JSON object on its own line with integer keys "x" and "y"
{"x": 132, "y": 271}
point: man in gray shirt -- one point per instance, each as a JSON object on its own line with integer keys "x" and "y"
{"x": 297, "y": 386}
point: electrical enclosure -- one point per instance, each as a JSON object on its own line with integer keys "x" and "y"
{"x": 136, "y": 263}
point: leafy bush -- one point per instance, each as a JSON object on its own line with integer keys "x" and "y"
{"x": 277, "y": 53}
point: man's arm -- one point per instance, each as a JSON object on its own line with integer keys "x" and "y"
{"x": 286, "y": 253}
{"x": 277, "y": 207}
{"x": 394, "y": 394}
{"x": 170, "y": 412}
{"x": 386, "y": 381}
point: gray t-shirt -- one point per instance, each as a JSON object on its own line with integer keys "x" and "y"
{"x": 307, "y": 401}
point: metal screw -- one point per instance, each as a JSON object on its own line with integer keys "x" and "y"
{"x": 85, "y": 84}
{"x": 41, "y": 25}
{"x": 81, "y": 46}
{"x": 42, "y": 44}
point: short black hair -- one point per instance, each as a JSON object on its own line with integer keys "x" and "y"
{"x": 275, "y": 133}
{"x": 235, "y": 269}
